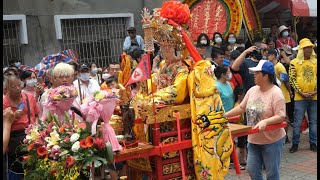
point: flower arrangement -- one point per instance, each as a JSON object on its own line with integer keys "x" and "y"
{"x": 63, "y": 150}
{"x": 63, "y": 92}
{"x": 93, "y": 106}
{"x": 101, "y": 105}
{"x": 60, "y": 100}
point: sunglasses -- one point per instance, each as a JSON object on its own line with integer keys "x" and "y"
{"x": 131, "y": 32}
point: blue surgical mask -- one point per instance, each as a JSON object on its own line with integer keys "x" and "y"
{"x": 94, "y": 70}
{"x": 232, "y": 40}
{"x": 84, "y": 76}
{"x": 218, "y": 40}
{"x": 285, "y": 33}
{"x": 17, "y": 64}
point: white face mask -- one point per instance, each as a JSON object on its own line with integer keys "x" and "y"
{"x": 84, "y": 76}
{"x": 203, "y": 42}
{"x": 218, "y": 40}
{"x": 229, "y": 76}
{"x": 31, "y": 82}
{"x": 105, "y": 76}
{"x": 285, "y": 34}
{"x": 94, "y": 70}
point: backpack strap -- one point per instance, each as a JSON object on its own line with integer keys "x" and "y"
{"x": 235, "y": 78}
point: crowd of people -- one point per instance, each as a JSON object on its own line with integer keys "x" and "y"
{"x": 280, "y": 62}
{"x": 265, "y": 83}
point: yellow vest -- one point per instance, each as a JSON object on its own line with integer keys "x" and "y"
{"x": 303, "y": 77}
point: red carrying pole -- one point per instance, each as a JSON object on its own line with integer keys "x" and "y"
{"x": 233, "y": 119}
{"x": 268, "y": 128}
{"x": 180, "y": 151}
{"x": 189, "y": 45}
{"x": 253, "y": 131}
{"x": 235, "y": 159}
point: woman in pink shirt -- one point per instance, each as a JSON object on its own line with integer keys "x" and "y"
{"x": 25, "y": 110}
{"x": 284, "y": 38}
{"x": 264, "y": 105}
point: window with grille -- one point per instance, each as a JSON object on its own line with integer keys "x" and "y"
{"x": 11, "y": 42}
{"x": 266, "y": 31}
{"x": 98, "y": 40}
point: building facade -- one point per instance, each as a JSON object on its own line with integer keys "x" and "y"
{"x": 95, "y": 29}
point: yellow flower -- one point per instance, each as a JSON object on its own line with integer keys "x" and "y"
{"x": 99, "y": 96}
{"x": 53, "y": 139}
{"x": 34, "y": 134}
{"x": 57, "y": 96}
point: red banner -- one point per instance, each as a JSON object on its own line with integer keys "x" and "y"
{"x": 208, "y": 17}
{"x": 250, "y": 15}
{"x": 142, "y": 71}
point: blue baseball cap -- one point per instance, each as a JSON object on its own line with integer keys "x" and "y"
{"x": 265, "y": 66}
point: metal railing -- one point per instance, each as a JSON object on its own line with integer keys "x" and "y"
{"x": 98, "y": 40}
{"x": 11, "y": 43}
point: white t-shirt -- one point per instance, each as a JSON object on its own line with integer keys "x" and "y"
{"x": 92, "y": 87}
{"x": 97, "y": 78}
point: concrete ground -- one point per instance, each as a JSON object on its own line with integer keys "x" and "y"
{"x": 300, "y": 165}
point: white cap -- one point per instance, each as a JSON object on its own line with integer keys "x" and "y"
{"x": 295, "y": 48}
{"x": 281, "y": 28}
{"x": 264, "y": 65}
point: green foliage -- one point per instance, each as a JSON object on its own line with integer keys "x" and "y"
{"x": 53, "y": 156}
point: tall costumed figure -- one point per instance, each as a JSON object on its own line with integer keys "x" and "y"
{"x": 211, "y": 138}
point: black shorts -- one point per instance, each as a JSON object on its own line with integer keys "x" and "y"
{"x": 116, "y": 166}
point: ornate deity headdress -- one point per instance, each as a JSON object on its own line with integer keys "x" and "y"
{"x": 156, "y": 26}
{"x": 167, "y": 25}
